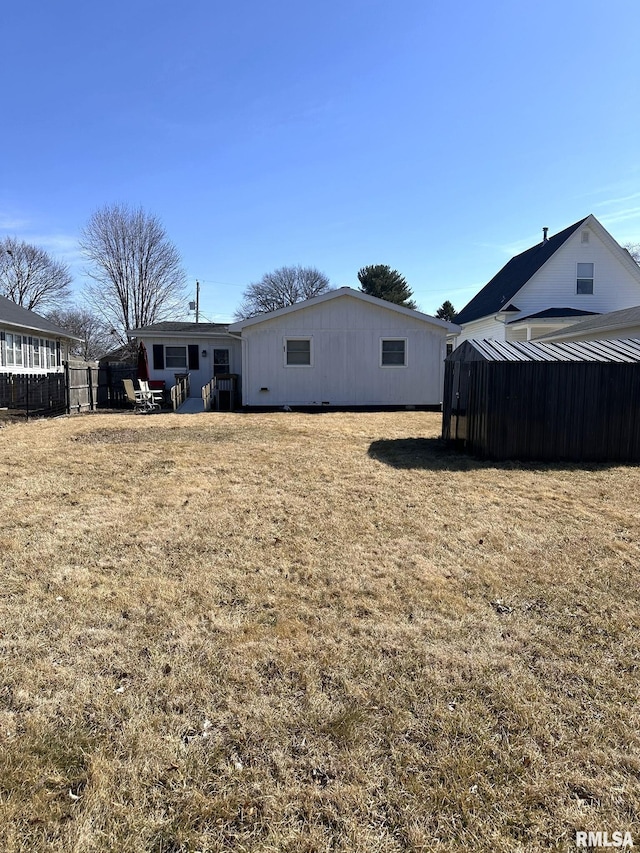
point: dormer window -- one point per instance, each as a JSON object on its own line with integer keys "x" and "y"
{"x": 585, "y": 279}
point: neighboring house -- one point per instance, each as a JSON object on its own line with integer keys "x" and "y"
{"x": 29, "y": 343}
{"x": 203, "y": 350}
{"x": 615, "y": 325}
{"x": 576, "y": 273}
{"x": 343, "y": 348}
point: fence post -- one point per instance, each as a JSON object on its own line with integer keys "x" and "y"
{"x": 90, "y": 382}
{"x": 67, "y": 389}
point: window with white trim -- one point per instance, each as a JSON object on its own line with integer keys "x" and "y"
{"x": 297, "y": 352}
{"x": 13, "y": 350}
{"x": 393, "y": 352}
{"x": 585, "y": 278}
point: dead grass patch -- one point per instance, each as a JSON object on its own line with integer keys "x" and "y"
{"x": 310, "y": 632}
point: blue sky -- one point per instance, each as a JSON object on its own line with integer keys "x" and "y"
{"x": 436, "y": 137}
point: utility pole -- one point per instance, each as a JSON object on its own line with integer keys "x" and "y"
{"x": 197, "y": 300}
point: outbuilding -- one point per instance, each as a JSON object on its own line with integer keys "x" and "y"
{"x": 577, "y": 401}
{"x": 343, "y": 348}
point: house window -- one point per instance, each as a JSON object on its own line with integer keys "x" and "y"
{"x": 297, "y": 352}
{"x": 393, "y": 352}
{"x": 13, "y": 350}
{"x": 585, "y": 278}
{"x": 175, "y": 357}
{"x": 220, "y": 361}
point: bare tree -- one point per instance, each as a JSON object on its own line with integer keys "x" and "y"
{"x": 137, "y": 272}
{"x": 85, "y": 324}
{"x": 634, "y": 251}
{"x": 30, "y": 277}
{"x": 280, "y": 288}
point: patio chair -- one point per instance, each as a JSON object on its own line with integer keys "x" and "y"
{"x": 141, "y": 401}
{"x": 154, "y": 397}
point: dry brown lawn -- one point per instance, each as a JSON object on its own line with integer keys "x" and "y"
{"x": 288, "y": 632}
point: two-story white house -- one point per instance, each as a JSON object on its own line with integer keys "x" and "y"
{"x": 580, "y": 271}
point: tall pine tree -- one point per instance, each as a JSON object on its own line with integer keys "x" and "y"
{"x": 381, "y": 281}
{"x": 446, "y": 311}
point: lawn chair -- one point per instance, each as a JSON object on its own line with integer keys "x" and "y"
{"x": 155, "y": 397}
{"x": 141, "y": 401}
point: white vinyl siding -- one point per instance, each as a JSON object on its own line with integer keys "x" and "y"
{"x": 485, "y": 328}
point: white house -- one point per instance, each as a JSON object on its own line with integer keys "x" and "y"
{"x": 29, "y": 343}
{"x": 567, "y": 277}
{"x": 203, "y": 350}
{"x": 343, "y": 348}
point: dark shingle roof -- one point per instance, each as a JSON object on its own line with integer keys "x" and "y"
{"x": 15, "y": 315}
{"x": 552, "y": 313}
{"x": 611, "y": 320}
{"x": 514, "y": 275}
{"x": 168, "y": 326}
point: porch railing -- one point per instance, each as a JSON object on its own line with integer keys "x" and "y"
{"x": 208, "y": 394}
{"x": 180, "y": 391}
{"x": 221, "y": 393}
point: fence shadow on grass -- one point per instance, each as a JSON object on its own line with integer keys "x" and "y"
{"x": 433, "y": 454}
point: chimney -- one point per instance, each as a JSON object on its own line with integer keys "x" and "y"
{"x": 545, "y": 231}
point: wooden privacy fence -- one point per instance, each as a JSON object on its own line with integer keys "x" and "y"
{"x": 36, "y": 395}
{"x": 82, "y": 385}
{"x": 48, "y": 394}
{"x": 110, "y": 388}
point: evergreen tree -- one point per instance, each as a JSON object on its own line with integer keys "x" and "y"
{"x": 381, "y": 281}
{"x": 446, "y": 311}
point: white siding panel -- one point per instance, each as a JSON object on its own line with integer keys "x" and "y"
{"x": 484, "y": 329}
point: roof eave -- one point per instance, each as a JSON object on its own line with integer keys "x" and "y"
{"x": 342, "y": 292}
{"x": 56, "y": 333}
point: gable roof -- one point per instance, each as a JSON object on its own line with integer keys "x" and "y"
{"x": 339, "y": 294}
{"x": 12, "y": 314}
{"x": 611, "y": 321}
{"x": 513, "y": 276}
